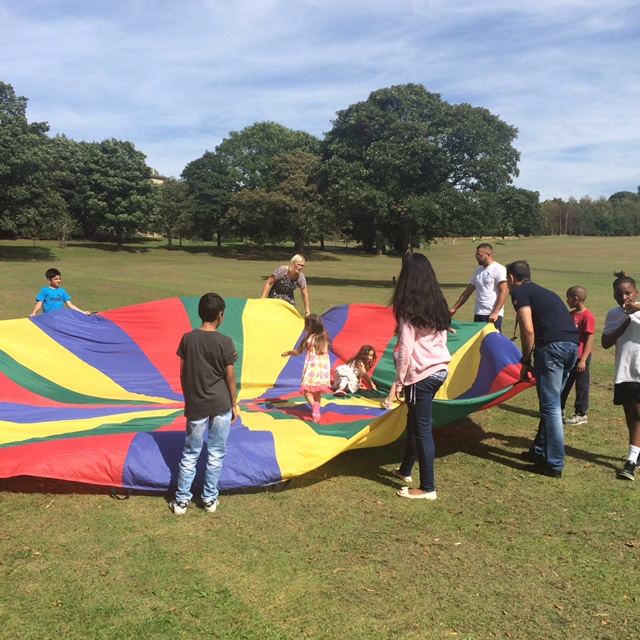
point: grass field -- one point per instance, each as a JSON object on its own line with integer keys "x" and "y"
{"x": 503, "y": 553}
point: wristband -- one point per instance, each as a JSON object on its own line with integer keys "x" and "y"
{"x": 523, "y": 361}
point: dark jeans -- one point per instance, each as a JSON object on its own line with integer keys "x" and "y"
{"x": 420, "y": 447}
{"x": 498, "y": 322}
{"x": 582, "y": 381}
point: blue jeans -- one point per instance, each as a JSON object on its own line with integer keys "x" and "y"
{"x": 551, "y": 367}
{"x": 218, "y": 427}
{"x": 420, "y": 445}
{"x": 498, "y": 322}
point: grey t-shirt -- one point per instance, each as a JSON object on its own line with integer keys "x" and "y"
{"x": 206, "y": 355}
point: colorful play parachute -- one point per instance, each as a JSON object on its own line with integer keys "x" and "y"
{"x": 97, "y": 399}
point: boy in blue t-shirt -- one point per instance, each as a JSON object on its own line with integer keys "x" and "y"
{"x": 54, "y": 296}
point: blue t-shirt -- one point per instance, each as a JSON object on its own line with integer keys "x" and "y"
{"x": 52, "y": 299}
{"x": 552, "y": 321}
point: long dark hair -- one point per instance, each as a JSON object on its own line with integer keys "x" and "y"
{"x": 417, "y": 298}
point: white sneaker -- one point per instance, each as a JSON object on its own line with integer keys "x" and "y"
{"x": 179, "y": 507}
{"x": 576, "y": 419}
{"x": 211, "y": 505}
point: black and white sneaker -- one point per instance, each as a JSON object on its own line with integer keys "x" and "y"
{"x": 628, "y": 472}
{"x": 211, "y": 505}
{"x": 179, "y": 507}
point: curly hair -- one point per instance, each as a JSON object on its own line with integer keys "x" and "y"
{"x": 362, "y": 357}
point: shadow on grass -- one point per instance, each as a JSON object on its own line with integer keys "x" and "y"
{"x": 109, "y": 247}
{"x": 350, "y": 282}
{"x": 278, "y": 255}
{"x": 465, "y": 436}
{"x": 26, "y": 254}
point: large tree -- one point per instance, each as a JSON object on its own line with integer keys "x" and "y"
{"x": 210, "y": 186}
{"x": 238, "y": 187}
{"x": 114, "y": 189}
{"x": 175, "y": 209}
{"x": 290, "y": 209}
{"x": 398, "y": 166}
{"x": 26, "y": 163}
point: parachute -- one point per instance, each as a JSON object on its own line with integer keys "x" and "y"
{"x": 97, "y": 399}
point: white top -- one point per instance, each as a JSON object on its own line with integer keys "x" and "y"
{"x": 487, "y": 281}
{"x": 627, "y": 345}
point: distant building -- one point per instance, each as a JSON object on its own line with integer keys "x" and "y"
{"x": 156, "y": 178}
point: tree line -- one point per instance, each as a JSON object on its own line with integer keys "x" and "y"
{"x": 399, "y": 169}
{"x": 617, "y": 216}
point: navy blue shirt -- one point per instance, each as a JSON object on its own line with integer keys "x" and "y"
{"x": 552, "y": 321}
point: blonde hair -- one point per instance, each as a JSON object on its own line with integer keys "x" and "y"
{"x": 297, "y": 258}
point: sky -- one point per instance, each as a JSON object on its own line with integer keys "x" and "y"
{"x": 174, "y": 77}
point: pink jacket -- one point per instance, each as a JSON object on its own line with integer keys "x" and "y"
{"x": 421, "y": 354}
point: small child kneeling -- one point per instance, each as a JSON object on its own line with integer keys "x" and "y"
{"x": 347, "y": 376}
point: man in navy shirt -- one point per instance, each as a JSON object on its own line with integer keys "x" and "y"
{"x": 549, "y": 335}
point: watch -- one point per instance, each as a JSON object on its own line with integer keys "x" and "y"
{"x": 527, "y": 361}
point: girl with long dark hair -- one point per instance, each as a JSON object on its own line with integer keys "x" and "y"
{"x": 423, "y": 318}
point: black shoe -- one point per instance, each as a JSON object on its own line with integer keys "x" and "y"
{"x": 628, "y": 472}
{"x": 531, "y": 456}
{"x": 545, "y": 470}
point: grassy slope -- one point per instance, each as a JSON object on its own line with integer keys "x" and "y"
{"x": 503, "y": 553}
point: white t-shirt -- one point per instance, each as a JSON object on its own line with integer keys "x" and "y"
{"x": 487, "y": 281}
{"x": 627, "y": 345}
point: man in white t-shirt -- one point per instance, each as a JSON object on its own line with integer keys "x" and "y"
{"x": 489, "y": 281}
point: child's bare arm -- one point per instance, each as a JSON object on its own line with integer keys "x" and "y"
{"x": 36, "y": 308}
{"x": 586, "y": 352}
{"x": 230, "y": 379}
{"x": 365, "y": 375}
{"x": 293, "y": 352}
{"x": 609, "y": 339}
{"x": 369, "y": 379}
{"x": 73, "y": 306}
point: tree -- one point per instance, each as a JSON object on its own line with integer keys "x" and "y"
{"x": 174, "y": 209}
{"x": 249, "y": 154}
{"x": 26, "y": 161}
{"x": 289, "y": 210}
{"x": 114, "y": 189}
{"x": 209, "y": 184}
{"x": 397, "y": 166}
{"x": 244, "y": 173}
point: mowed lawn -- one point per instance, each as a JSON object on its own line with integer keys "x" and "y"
{"x": 503, "y": 553}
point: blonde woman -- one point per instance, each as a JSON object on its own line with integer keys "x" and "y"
{"x": 285, "y": 280}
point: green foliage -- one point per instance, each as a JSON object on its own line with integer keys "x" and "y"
{"x": 399, "y": 166}
{"x": 257, "y": 186}
{"x": 116, "y": 189}
{"x": 617, "y": 216}
{"x": 290, "y": 210}
{"x": 209, "y": 183}
{"x": 249, "y": 155}
{"x": 26, "y": 162}
{"x": 174, "y": 214}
